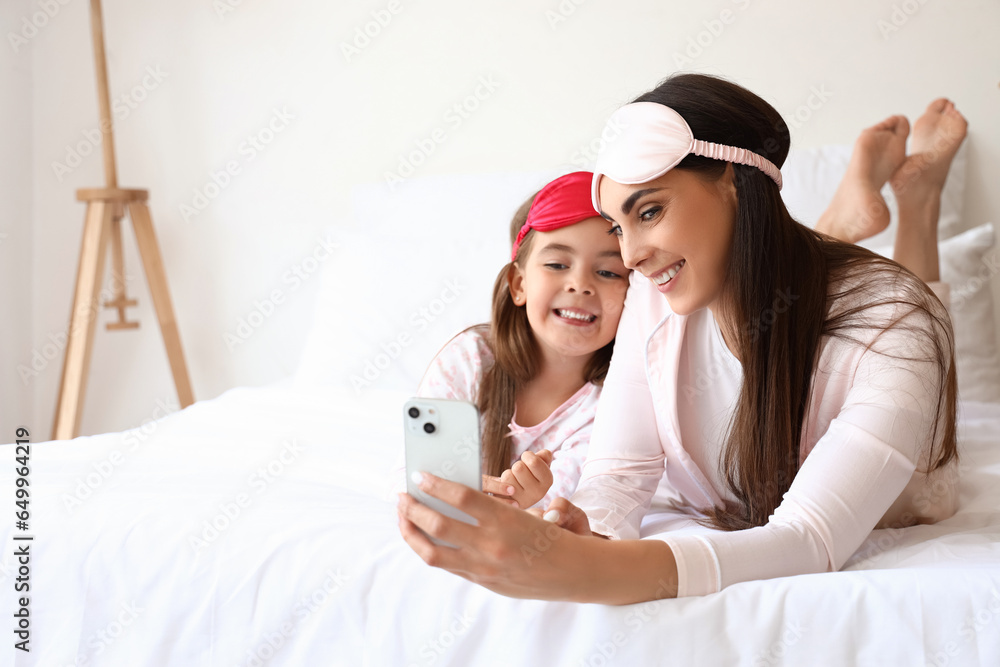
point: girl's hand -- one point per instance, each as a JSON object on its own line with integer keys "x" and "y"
{"x": 492, "y": 486}
{"x": 530, "y": 478}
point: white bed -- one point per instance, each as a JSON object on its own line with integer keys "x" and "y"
{"x": 312, "y": 571}
{"x": 260, "y": 528}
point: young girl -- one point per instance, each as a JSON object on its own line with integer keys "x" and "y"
{"x": 832, "y": 406}
{"x": 535, "y": 370}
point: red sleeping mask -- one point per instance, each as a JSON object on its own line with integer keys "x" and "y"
{"x": 563, "y": 202}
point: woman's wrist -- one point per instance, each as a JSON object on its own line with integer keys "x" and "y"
{"x": 623, "y": 571}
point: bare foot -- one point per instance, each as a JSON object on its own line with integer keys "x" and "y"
{"x": 936, "y": 138}
{"x": 918, "y": 183}
{"x": 858, "y": 209}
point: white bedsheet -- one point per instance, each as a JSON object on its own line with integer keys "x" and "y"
{"x": 306, "y": 566}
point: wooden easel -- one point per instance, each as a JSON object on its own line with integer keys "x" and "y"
{"x": 105, "y": 209}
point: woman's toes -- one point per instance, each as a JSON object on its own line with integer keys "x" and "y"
{"x": 858, "y": 210}
{"x": 937, "y": 135}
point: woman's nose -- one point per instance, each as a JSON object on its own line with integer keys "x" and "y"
{"x": 633, "y": 250}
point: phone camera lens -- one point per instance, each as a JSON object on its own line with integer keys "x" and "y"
{"x": 428, "y": 427}
{"x": 414, "y": 413}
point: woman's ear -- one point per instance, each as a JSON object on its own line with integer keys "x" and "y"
{"x": 727, "y": 185}
{"x": 515, "y": 283}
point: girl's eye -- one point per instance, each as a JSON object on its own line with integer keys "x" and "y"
{"x": 649, "y": 213}
{"x": 555, "y": 265}
{"x": 616, "y": 230}
{"x": 608, "y": 274}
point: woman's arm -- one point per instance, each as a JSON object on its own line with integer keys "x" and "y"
{"x": 856, "y": 471}
{"x": 625, "y": 460}
{"x": 518, "y": 554}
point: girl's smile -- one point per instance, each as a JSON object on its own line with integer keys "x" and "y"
{"x": 575, "y": 316}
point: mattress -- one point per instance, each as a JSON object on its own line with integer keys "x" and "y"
{"x": 259, "y": 528}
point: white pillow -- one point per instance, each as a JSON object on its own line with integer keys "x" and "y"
{"x": 418, "y": 268}
{"x": 811, "y": 177}
{"x": 968, "y": 266}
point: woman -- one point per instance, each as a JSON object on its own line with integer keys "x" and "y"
{"x": 832, "y": 404}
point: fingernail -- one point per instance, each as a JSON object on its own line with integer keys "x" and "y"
{"x": 515, "y": 504}
{"x": 510, "y": 490}
{"x": 416, "y": 477}
{"x": 552, "y": 516}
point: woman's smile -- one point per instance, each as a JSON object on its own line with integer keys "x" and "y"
{"x": 664, "y": 280}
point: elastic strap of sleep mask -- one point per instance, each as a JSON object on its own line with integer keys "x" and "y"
{"x": 648, "y": 139}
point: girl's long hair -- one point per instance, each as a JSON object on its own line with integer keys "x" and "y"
{"x": 787, "y": 287}
{"x": 516, "y": 356}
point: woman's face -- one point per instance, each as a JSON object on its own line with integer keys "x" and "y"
{"x": 676, "y": 231}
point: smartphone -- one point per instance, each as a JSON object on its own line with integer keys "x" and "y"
{"x": 442, "y": 438}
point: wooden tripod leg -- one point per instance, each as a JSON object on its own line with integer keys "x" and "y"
{"x": 118, "y": 299}
{"x": 80, "y": 337}
{"x": 156, "y": 277}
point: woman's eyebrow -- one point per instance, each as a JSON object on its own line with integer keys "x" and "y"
{"x": 634, "y": 197}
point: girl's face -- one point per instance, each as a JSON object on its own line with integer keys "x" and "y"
{"x": 677, "y": 231}
{"x": 573, "y": 286}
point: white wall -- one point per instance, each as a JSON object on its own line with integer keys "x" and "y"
{"x": 223, "y": 75}
{"x": 16, "y": 303}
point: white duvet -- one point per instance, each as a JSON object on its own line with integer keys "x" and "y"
{"x": 258, "y": 528}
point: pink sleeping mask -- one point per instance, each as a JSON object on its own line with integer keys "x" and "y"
{"x": 649, "y": 139}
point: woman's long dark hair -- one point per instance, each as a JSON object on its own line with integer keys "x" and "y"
{"x": 773, "y": 257}
{"x": 516, "y": 357}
